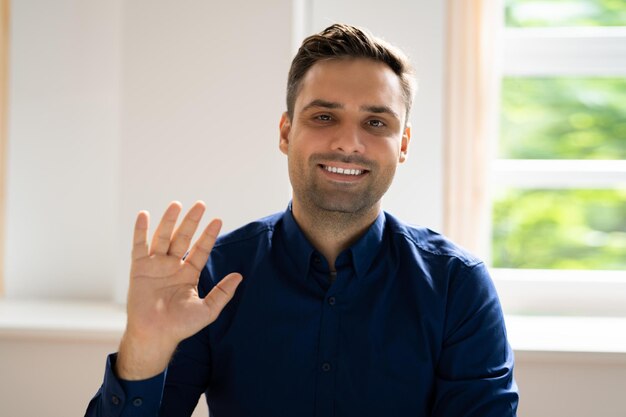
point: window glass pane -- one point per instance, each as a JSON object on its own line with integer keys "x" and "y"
{"x": 561, "y": 13}
{"x": 563, "y": 118}
{"x": 559, "y": 229}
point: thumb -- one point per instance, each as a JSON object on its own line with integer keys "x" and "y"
{"x": 222, "y": 293}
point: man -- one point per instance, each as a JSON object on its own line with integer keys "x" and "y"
{"x": 343, "y": 309}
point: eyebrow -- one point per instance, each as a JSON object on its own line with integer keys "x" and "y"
{"x": 380, "y": 109}
{"x": 367, "y": 108}
{"x": 322, "y": 103}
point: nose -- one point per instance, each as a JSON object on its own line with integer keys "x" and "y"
{"x": 347, "y": 139}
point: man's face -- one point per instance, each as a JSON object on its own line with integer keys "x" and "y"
{"x": 347, "y": 136}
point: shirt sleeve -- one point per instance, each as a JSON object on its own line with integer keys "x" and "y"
{"x": 120, "y": 398}
{"x": 475, "y": 369}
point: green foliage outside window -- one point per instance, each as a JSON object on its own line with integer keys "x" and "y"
{"x": 560, "y": 229}
{"x": 555, "y": 13}
{"x": 561, "y": 118}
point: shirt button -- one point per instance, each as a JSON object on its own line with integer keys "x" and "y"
{"x": 115, "y": 400}
{"x": 326, "y": 367}
{"x": 317, "y": 259}
{"x": 137, "y": 402}
{"x": 332, "y": 301}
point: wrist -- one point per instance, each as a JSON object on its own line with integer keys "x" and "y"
{"x": 138, "y": 360}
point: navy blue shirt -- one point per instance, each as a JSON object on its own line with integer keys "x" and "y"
{"x": 409, "y": 325}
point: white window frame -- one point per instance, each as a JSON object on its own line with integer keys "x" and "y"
{"x": 588, "y": 51}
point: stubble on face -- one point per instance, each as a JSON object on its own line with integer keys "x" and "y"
{"x": 348, "y": 94}
{"x": 339, "y": 202}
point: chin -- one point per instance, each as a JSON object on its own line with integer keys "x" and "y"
{"x": 345, "y": 207}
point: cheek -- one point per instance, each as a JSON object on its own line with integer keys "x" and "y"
{"x": 387, "y": 151}
{"x": 298, "y": 156}
{"x": 304, "y": 146}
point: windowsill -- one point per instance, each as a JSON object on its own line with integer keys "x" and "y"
{"x": 567, "y": 338}
{"x": 530, "y": 336}
{"x": 576, "y": 293}
{"x": 61, "y": 320}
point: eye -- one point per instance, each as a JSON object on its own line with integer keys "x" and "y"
{"x": 323, "y": 117}
{"x": 376, "y": 123}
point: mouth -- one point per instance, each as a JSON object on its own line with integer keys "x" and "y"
{"x": 344, "y": 171}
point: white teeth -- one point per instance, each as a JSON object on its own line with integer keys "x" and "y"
{"x": 343, "y": 171}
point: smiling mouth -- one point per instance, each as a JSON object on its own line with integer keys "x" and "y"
{"x": 343, "y": 171}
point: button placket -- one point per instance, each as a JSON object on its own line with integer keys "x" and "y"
{"x": 327, "y": 367}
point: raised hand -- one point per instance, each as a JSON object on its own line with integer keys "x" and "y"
{"x": 163, "y": 303}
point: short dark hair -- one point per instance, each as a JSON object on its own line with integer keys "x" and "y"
{"x": 344, "y": 41}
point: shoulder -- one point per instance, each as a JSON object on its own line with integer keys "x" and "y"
{"x": 256, "y": 231}
{"x": 239, "y": 250}
{"x": 428, "y": 243}
{"x": 446, "y": 267}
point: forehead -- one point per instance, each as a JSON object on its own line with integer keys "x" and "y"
{"x": 352, "y": 82}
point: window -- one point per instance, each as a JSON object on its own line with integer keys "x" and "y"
{"x": 559, "y": 178}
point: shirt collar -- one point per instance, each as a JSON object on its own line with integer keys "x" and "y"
{"x": 363, "y": 251}
{"x": 296, "y": 244}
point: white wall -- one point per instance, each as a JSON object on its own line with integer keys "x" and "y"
{"x": 63, "y": 148}
{"x": 570, "y": 384}
{"x": 50, "y": 377}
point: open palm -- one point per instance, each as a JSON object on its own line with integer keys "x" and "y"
{"x": 163, "y": 302}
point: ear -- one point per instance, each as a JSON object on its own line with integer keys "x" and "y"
{"x": 404, "y": 146}
{"x": 284, "y": 128}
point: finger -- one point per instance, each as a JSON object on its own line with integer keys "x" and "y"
{"x": 184, "y": 232}
{"x": 140, "y": 235}
{"x": 163, "y": 234}
{"x": 200, "y": 251}
{"x": 222, "y": 293}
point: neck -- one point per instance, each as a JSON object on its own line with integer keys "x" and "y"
{"x": 331, "y": 232}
